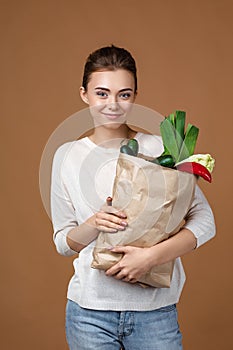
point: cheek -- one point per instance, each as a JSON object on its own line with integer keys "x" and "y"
{"x": 126, "y": 106}
{"x": 95, "y": 102}
{"x": 96, "y": 106}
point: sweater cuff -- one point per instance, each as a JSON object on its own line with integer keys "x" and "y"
{"x": 61, "y": 243}
{"x": 198, "y": 233}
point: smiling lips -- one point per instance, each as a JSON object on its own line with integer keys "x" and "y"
{"x": 112, "y": 116}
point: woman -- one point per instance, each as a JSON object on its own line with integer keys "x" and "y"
{"x": 108, "y": 310}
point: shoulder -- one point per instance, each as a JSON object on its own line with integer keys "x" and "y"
{"x": 70, "y": 155}
{"x": 69, "y": 148}
{"x": 62, "y": 151}
{"x": 150, "y": 145}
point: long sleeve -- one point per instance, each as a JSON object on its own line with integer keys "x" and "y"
{"x": 200, "y": 218}
{"x": 62, "y": 210}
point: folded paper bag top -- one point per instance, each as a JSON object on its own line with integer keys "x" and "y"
{"x": 156, "y": 200}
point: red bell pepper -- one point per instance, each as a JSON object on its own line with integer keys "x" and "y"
{"x": 195, "y": 168}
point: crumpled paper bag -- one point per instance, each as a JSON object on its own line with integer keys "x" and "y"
{"x": 156, "y": 200}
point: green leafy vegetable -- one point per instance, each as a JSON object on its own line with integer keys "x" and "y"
{"x": 180, "y": 124}
{"x": 189, "y": 143}
{"x": 178, "y": 143}
{"x": 171, "y": 118}
{"x": 168, "y": 134}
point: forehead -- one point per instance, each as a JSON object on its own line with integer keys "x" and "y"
{"x": 116, "y": 79}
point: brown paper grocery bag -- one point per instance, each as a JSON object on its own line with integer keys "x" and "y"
{"x": 155, "y": 200}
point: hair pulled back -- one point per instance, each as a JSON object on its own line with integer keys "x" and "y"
{"x": 109, "y": 58}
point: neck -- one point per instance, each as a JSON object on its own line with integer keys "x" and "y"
{"x": 111, "y": 137}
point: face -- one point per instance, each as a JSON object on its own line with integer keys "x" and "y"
{"x": 110, "y": 95}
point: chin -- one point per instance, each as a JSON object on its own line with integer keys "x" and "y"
{"x": 113, "y": 125}
{"x": 110, "y": 124}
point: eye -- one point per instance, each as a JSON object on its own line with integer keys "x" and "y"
{"x": 125, "y": 95}
{"x": 101, "y": 94}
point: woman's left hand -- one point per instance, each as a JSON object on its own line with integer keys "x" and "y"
{"x": 133, "y": 264}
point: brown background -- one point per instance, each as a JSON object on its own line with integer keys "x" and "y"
{"x": 184, "y": 55}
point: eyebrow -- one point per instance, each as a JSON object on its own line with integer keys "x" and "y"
{"x": 105, "y": 89}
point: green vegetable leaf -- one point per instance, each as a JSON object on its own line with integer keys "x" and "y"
{"x": 165, "y": 152}
{"x": 168, "y": 134}
{"x": 171, "y": 118}
{"x": 180, "y": 124}
{"x": 188, "y": 146}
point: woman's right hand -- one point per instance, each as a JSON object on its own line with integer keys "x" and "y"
{"x": 109, "y": 219}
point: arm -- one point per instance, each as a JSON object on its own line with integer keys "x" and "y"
{"x": 108, "y": 219}
{"x": 199, "y": 228}
{"x": 62, "y": 210}
{"x": 70, "y": 237}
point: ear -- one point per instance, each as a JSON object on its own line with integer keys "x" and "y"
{"x": 83, "y": 94}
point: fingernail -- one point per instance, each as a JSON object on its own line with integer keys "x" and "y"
{"x": 124, "y": 223}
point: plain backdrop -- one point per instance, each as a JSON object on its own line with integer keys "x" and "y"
{"x": 184, "y": 56}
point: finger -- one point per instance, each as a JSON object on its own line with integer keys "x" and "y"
{"x": 129, "y": 279}
{"x": 107, "y": 229}
{"x": 109, "y": 201}
{"x": 111, "y": 210}
{"x": 133, "y": 280}
{"x": 106, "y": 225}
{"x": 112, "y": 218}
{"x": 120, "y": 249}
{"x": 113, "y": 271}
{"x": 123, "y": 276}
{"x": 110, "y": 222}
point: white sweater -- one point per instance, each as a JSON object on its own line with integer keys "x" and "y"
{"x": 82, "y": 179}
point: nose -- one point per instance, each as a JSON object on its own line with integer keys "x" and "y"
{"x": 113, "y": 104}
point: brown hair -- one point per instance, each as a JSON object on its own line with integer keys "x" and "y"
{"x": 109, "y": 58}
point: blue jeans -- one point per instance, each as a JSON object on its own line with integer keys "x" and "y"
{"x": 130, "y": 330}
